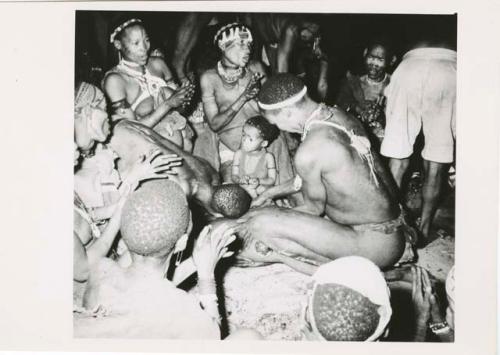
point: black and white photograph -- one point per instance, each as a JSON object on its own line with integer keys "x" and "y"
{"x": 264, "y": 176}
{"x": 250, "y": 177}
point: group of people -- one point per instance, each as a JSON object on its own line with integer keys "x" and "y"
{"x": 324, "y": 199}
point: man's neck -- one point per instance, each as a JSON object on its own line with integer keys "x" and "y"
{"x": 149, "y": 264}
{"x": 376, "y": 79}
{"x": 309, "y": 114}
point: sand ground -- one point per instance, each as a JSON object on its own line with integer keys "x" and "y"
{"x": 270, "y": 298}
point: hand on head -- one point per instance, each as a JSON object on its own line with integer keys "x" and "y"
{"x": 155, "y": 166}
{"x": 210, "y": 247}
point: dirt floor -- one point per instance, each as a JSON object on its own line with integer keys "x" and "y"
{"x": 270, "y": 298}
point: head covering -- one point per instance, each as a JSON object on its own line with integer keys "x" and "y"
{"x": 94, "y": 125}
{"x": 228, "y": 34}
{"x": 121, "y": 27}
{"x": 88, "y": 94}
{"x": 362, "y": 276}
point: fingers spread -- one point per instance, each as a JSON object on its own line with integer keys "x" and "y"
{"x": 153, "y": 155}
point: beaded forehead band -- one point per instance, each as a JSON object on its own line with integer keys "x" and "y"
{"x": 230, "y": 33}
{"x": 122, "y": 27}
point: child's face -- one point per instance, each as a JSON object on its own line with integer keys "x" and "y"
{"x": 251, "y": 140}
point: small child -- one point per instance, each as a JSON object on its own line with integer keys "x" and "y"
{"x": 254, "y": 168}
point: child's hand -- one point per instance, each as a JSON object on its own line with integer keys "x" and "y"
{"x": 253, "y": 182}
{"x": 244, "y": 180}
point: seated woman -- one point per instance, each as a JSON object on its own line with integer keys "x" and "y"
{"x": 90, "y": 243}
{"x": 135, "y": 93}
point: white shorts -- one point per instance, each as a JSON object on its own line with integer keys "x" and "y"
{"x": 422, "y": 94}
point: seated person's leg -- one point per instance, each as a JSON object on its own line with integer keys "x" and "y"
{"x": 320, "y": 236}
{"x": 80, "y": 262}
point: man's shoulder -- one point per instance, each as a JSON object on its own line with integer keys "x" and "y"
{"x": 316, "y": 144}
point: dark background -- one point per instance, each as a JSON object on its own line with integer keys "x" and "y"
{"x": 344, "y": 37}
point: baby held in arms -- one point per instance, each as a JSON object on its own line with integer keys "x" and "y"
{"x": 254, "y": 168}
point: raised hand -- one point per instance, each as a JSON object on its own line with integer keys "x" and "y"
{"x": 210, "y": 247}
{"x": 155, "y": 166}
{"x": 181, "y": 97}
{"x": 422, "y": 295}
{"x": 253, "y": 86}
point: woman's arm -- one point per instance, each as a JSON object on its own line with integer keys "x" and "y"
{"x": 210, "y": 247}
{"x": 101, "y": 246}
{"x": 216, "y": 119}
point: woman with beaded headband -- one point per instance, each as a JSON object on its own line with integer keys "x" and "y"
{"x": 228, "y": 95}
{"x": 135, "y": 93}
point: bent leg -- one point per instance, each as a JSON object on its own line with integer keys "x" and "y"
{"x": 434, "y": 174}
{"x": 283, "y": 228}
{"x": 80, "y": 262}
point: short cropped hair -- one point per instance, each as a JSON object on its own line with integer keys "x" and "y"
{"x": 268, "y": 131}
{"x": 154, "y": 217}
{"x": 279, "y": 88}
{"x": 343, "y": 314}
{"x": 231, "y": 200}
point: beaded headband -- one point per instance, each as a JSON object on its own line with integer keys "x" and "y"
{"x": 288, "y": 102}
{"x": 230, "y": 33}
{"x": 122, "y": 27}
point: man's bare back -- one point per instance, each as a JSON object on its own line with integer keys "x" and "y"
{"x": 351, "y": 196}
{"x": 162, "y": 312}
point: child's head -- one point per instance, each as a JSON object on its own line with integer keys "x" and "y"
{"x": 258, "y": 133}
